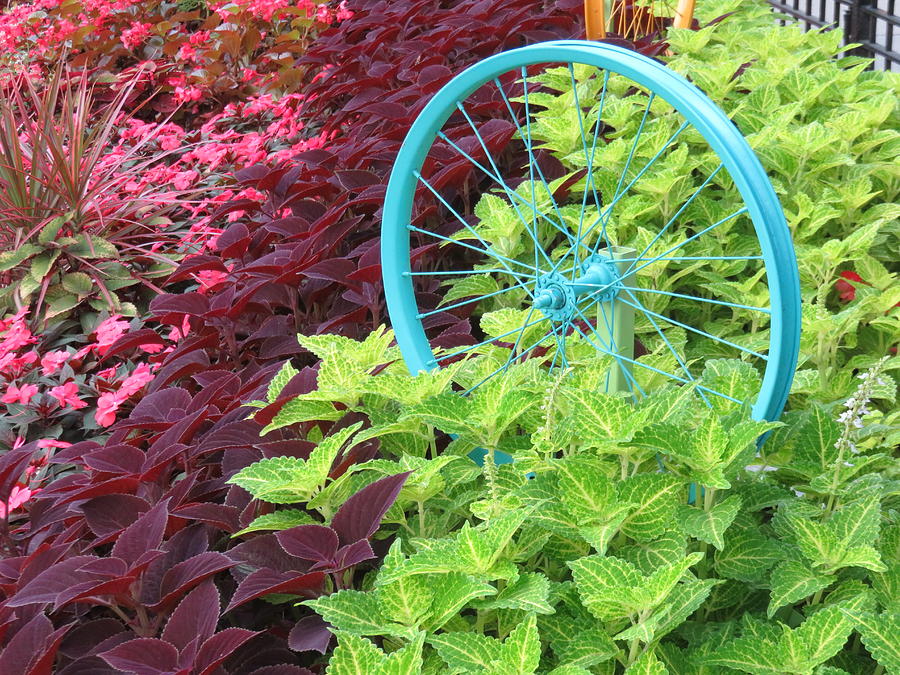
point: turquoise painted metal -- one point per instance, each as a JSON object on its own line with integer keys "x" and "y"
{"x": 607, "y": 275}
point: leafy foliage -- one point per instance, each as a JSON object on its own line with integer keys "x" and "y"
{"x": 581, "y": 556}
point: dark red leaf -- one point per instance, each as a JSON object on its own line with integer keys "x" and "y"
{"x": 266, "y": 581}
{"x": 359, "y": 517}
{"x": 194, "y": 618}
{"x": 144, "y": 534}
{"x": 317, "y": 543}
{"x": 143, "y": 656}
{"x": 309, "y": 634}
{"x": 219, "y": 647}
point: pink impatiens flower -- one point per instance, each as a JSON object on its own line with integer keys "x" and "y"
{"x": 109, "y": 331}
{"x": 52, "y": 361}
{"x": 136, "y": 381}
{"x": 107, "y": 405}
{"x": 67, "y": 394}
{"x": 19, "y": 495}
{"x": 21, "y": 395}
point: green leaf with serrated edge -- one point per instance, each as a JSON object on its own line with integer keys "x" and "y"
{"x": 710, "y": 526}
{"x": 279, "y": 520}
{"x": 354, "y": 655}
{"x": 746, "y": 556}
{"x": 598, "y": 415}
{"x": 585, "y": 645}
{"x": 10, "y": 259}
{"x": 814, "y": 442}
{"x": 467, "y": 287}
{"x": 449, "y": 412}
{"x": 859, "y": 556}
{"x": 660, "y": 583}
{"x": 608, "y": 586}
{"x": 684, "y": 600}
{"x": 350, "y": 611}
{"x": 647, "y": 664}
{"x": 282, "y": 377}
{"x": 656, "y": 496}
{"x": 286, "y": 480}
{"x": 750, "y": 655}
{"x": 792, "y": 581}
{"x": 405, "y": 661}
{"x": 319, "y": 462}
{"x": 528, "y": 593}
{"x": 91, "y": 247}
{"x": 584, "y": 488}
{"x": 78, "y": 283}
{"x": 606, "y": 525}
{"x": 41, "y": 265}
{"x": 879, "y": 634}
{"x": 469, "y": 652}
{"x": 823, "y": 634}
{"x": 520, "y": 652}
{"x": 650, "y": 555}
{"x": 303, "y": 410}
{"x": 857, "y": 523}
{"x": 407, "y": 600}
{"x": 887, "y": 587}
{"x": 278, "y": 480}
{"x": 452, "y": 592}
{"x": 816, "y": 541}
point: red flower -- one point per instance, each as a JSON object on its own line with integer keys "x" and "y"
{"x": 107, "y": 405}
{"x": 19, "y": 495}
{"x": 52, "y": 361}
{"x": 67, "y": 394}
{"x": 20, "y": 395}
{"x": 848, "y": 291}
{"x": 109, "y": 331}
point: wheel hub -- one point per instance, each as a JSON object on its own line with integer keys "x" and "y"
{"x": 557, "y": 297}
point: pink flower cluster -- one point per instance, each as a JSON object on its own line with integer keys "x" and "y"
{"x": 134, "y": 36}
{"x": 44, "y": 383}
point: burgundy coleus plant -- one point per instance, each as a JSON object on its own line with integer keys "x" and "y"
{"x": 146, "y": 519}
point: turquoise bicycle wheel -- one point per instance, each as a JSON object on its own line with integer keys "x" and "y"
{"x": 626, "y": 214}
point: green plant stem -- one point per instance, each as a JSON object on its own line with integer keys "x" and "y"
{"x": 421, "y": 506}
{"x": 817, "y": 598}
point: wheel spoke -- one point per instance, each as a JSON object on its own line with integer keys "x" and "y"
{"x": 624, "y": 173}
{"x": 463, "y": 303}
{"x": 694, "y": 297}
{"x": 439, "y": 273}
{"x": 469, "y": 348}
{"x": 635, "y": 270}
{"x": 523, "y": 353}
{"x": 487, "y": 172}
{"x": 694, "y": 330}
{"x": 529, "y": 148}
{"x": 690, "y": 199}
{"x": 490, "y": 252}
{"x": 519, "y": 337}
{"x": 607, "y": 214}
{"x": 589, "y": 183}
{"x": 608, "y": 210}
{"x": 684, "y": 368}
{"x": 509, "y": 192}
{"x": 693, "y": 258}
{"x": 646, "y": 366}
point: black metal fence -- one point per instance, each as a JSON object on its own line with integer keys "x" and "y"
{"x": 873, "y": 24}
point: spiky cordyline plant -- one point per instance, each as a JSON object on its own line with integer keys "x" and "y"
{"x": 72, "y": 202}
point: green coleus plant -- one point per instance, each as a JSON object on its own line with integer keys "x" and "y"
{"x": 826, "y": 131}
{"x": 626, "y": 537}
